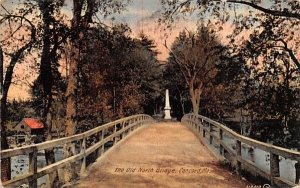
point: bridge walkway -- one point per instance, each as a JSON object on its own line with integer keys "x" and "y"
{"x": 165, "y": 154}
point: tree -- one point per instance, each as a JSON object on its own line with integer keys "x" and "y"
{"x": 83, "y": 12}
{"x": 226, "y": 11}
{"x": 24, "y": 42}
{"x": 179, "y": 93}
{"x": 54, "y": 33}
{"x": 196, "y": 55}
{"x": 269, "y": 86}
{"x": 118, "y": 72}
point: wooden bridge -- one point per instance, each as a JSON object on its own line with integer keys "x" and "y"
{"x": 159, "y": 154}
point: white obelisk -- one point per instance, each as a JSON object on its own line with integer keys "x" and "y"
{"x": 167, "y": 106}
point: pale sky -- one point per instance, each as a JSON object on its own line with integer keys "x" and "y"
{"x": 140, "y": 15}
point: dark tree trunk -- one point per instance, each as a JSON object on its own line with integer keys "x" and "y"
{"x": 48, "y": 58}
{"x": 5, "y": 163}
{"x": 79, "y": 24}
{"x": 71, "y": 93}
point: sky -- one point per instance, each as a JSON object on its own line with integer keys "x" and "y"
{"x": 140, "y": 15}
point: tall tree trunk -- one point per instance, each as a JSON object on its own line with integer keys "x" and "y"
{"x": 5, "y": 85}
{"x": 5, "y": 163}
{"x": 71, "y": 110}
{"x": 195, "y": 94}
{"x": 49, "y": 153}
{"x": 181, "y": 102}
{"x": 194, "y": 102}
{"x": 71, "y": 93}
{"x": 79, "y": 25}
{"x": 46, "y": 78}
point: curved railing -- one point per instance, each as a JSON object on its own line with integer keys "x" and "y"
{"x": 113, "y": 131}
{"x": 204, "y": 128}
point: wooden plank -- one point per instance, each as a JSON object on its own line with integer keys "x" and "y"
{"x": 275, "y": 151}
{"x": 282, "y": 183}
{"x": 220, "y": 158}
{"x": 33, "y": 167}
{"x": 97, "y": 145}
{"x": 58, "y": 142}
{"x": 238, "y": 153}
{"x": 293, "y": 155}
{"x": 83, "y": 150}
{"x": 249, "y": 166}
{"x": 61, "y": 141}
{"x": 25, "y": 150}
{"x": 274, "y": 167}
{"x": 110, "y": 137}
{"x": 58, "y": 165}
{"x": 227, "y": 148}
{"x": 24, "y": 179}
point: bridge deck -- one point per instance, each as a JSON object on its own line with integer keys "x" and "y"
{"x": 160, "y": 155}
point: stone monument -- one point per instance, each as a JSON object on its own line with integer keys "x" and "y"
{"x": 167, "y": 106}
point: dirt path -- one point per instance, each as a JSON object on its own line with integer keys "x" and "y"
{"x": 160, "y": 155}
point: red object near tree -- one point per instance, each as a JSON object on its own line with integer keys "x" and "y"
{"x": 33, "y": 123}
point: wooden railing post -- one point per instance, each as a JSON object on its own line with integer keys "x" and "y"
{"x": 196, "y": 123}
{"x": 82, "y": 150}
{"x": 221, "y": 139}
{"x": 297, "y": 167}
{"x": 115, "y": 137}
{"x": 274, "y": 167}
{"x": 234, "y": 156}
{"x": 123, "y": 132}
{"x": 33, "y": 167}
{"x": 198, "y": 126}
{"x": 238, "y": 150}
{"x": 210, "y": 133}
{"x": 102, "y": 137}
{"x": 130, "y": 122}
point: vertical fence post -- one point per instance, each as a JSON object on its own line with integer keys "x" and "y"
{"x": 115, "y": 136}
{"x": 99, "y": 152}
{"x": 33, "y": 167}
{"x": 238, "y": 151}
{"x": 130, "y": 123}
{"x": 201, "y": 127}
{"x": 123, "y": 132}
{"x": 297, "y": 167}
{"x": 198, "y": 127}
{"x": 82, "y": 150}
{"x": 195, "y": 123}
{"x": 221, "y": 140}
{"x": 274, "y": 167}
{"x": 102, "y": 137}
{"x": 210, "y": 133}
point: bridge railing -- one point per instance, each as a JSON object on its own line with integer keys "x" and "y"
{"x": 213, "y": 131}
{"x": 110, "y": 132}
